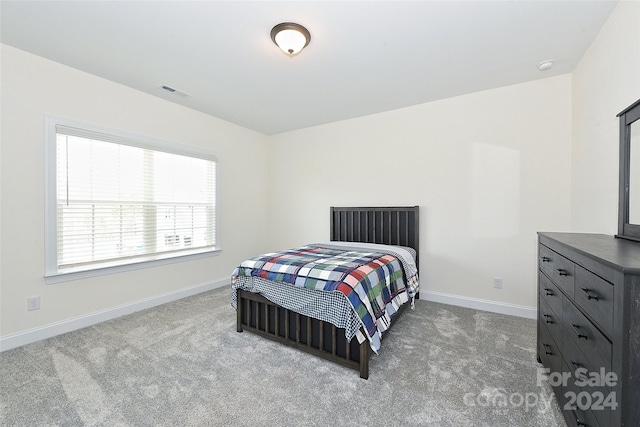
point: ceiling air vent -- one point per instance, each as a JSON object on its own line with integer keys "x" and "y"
{"x": 174, "y": 90}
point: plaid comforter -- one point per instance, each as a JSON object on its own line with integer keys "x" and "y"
{"x": 373, "y": 282}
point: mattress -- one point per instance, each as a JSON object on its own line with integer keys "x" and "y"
{"x": 355, "y": 286}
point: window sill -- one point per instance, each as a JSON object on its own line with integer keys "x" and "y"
{"x": 77, "y": 274}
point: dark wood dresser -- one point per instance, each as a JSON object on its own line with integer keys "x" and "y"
{"x": 589, "y": 326}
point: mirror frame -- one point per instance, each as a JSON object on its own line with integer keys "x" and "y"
{"x": 627, "y": 116}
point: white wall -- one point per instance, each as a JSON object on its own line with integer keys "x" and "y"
{"x": 33, "y": 86}
{"x": 605, "y": 82}
{"x": 488, "y": 171}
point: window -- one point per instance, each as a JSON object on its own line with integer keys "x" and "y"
{"x": 115, "y": 200}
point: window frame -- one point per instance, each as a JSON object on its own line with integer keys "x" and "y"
{"x": 52, "y": 273}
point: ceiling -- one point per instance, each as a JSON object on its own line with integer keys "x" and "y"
{"x": 364, "y": 57}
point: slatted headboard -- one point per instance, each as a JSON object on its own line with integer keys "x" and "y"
{"x": 385, "y": 225}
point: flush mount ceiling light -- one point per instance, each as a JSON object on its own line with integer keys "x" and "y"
{"x": 291, "y": 38}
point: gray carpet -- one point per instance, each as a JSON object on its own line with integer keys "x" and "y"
{"x": 184, "y": 364}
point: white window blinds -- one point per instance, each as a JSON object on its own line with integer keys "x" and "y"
{"x": 119, "y": 201}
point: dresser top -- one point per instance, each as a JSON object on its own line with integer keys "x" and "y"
{"x": 617, "y": 253}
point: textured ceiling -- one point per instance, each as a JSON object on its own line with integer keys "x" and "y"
{"x": 365, "y": 57}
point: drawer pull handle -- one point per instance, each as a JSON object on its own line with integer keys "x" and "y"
{"x": 578, "y": 422}
{"x": 589, "y": 296}
{"x": 577, "y": 365}
{"x": 580, "y": 335}
{"x": 546, "y": 351}
{"x": 545, "y": 259}
{"x": 562, "y": 272}
{"x": 548, "y": 318}
{"x": 582, "y": 377}
{"x": 548, "y": 292}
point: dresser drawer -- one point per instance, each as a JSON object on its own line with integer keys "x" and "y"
{"x": 558, "y": 268}
{"x": 549, "y": 351}
{"x": 595, "y": 296}
{"x": 586, "y": 336}
{"x": 550, "y": 293}
{"x": 590, "y": 380}
{"x": 552, "y": 321}
{"x": 577, "y": 414}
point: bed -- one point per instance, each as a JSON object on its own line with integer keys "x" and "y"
{"x": 325, "y": 323}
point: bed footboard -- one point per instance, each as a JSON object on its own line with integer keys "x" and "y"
{"x": 258, "y": 315}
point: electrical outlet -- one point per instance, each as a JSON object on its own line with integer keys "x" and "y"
{"x": 497, "y": 282}
{"x": 33, "y": 303}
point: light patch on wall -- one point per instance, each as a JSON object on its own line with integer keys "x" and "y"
{"x": 495, "y": 189}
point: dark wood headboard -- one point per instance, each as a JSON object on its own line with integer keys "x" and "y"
{"x": 385, "y": 225}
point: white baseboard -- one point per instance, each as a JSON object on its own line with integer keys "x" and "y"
{"x": 36, "y": 334}
{"x": 481, "y": 304}
{"x": 32, "y": 335}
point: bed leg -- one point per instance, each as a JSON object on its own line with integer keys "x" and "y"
{"x": 364, "y": 359}
{"x": 239, "y": 313}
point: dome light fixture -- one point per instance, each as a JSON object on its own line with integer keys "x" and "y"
{"x": 290, "y": 37}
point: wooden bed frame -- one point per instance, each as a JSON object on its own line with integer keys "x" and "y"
{"x": 256, "y": 314}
